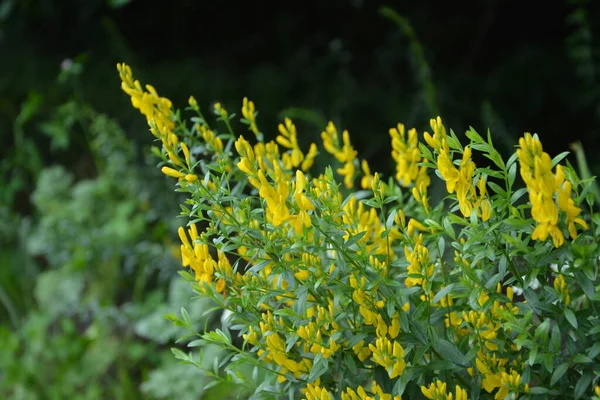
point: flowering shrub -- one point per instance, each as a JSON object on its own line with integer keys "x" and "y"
{"x": 376, "y": 293}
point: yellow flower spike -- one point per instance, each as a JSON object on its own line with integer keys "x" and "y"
{"x": 310, "y": 157}
{"x": 186, "y": 154}
{"x": 420, "y": 194}
{"x": 377, "y": 186}
{"x": 367, "y": 179}
{"x": 542, "y": 185}
{"x": 249, "y": 113}
{"x": 406, "y": 154}
{"x": 382, "y": 327}
{"x": 222, "y": 112}
{"x": 560, "y": 285}
{"x": 172, "y": 172}
{"x": 394, "y": 328}
{"x": 193, "y": 103}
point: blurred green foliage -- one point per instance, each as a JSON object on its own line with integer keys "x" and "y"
{"x": 88, "y": 276}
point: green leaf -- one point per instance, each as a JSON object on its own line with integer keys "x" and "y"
{"x": 559, "y": 158}
{"x": 349, "y": 361}
{"x": 583, "y": 383}
{"x": 418, "y": 356}
{"x": 442, "y": 293}
{"x": 594, "y": 350}
{"x": 517, "y": 194}
{"x": 389, "y": 222}
{"x": 532, "y": 355}
{"x": 449, "y": 229}
{"x": 558, "y": 373}
{"x": 180, "y": 355}
{"x": 570, "y": 316}
{"x": 355, "y": 238}
{"x": 581, "y": 359}
{"x": 449, "y": 351}
{"x": 476, "y": 137}
{"x": 286, "y": 312}
{"x": 512, "y": 173}
{"x": 555, "y": 339}
{"x": 320, "y": 366}
{"x": 538, "y": 390}
{"x": 421, "y": 312}
{"x": 496, "y": 188}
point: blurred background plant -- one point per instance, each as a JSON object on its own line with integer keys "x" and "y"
{"x": 88, "y": 274}
{"x": 87, "y": 261}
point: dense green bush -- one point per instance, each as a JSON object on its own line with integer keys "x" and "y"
{"x": 376, "y": 293}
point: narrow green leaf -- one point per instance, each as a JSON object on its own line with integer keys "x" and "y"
{"x": 451, "y": 352}
{"x": 558, "y": 373}
{"x": 583, "y": 383}
{"x": 570, "y": 316}
{"x": 442, "y": 293}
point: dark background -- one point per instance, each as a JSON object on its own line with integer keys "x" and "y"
{"x": 514, "y": 66}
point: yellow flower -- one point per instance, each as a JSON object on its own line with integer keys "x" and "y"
{"x": 389, "y": 355}
{"x": 437, "y": 391}
{"x": 367, "y": 178}
{"x": 315, "y": 392}
{"x": 171, "y": 172}
{"x": 344, "y": 153}
{"x": 420, "y": 265}
{"x": 249, "y": 113}
{"x": 542, "y": 184}
{"x": 560, "y": 285}
{"x": 439, "y": 134}
{"x": 406, "y": 153}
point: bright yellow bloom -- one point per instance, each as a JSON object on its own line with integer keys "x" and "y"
{"x": 406, "y": 153}
{"x": 315, "y": 392}
{"x": 439, "y": 134}
{"x": 344, "y": 153}
{"x": 560, "y": 285}
{"x": 196, "y": 255}
{"x": 389, "y": 355}
{"x": 172, "y": 172}
{"x": 437, "y": 391}
{"x": 367, "y": 179}
{"x": 420, "y": 195}
{"x": 154, "y": 107}
{"x": 460, "y": 181}
{"x": 419, "y": 264}
{"x": 542, "y": 184}
{"x": 249, "y": 113}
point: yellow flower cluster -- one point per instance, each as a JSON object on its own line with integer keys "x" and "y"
{"x": 459, "y": 180}
{"x": 361, "y": 394}
{"x": 343, "y": 152}
{"x": 314, "y": 391}
{"x": 249, "y": 113}
{"x": 157, "y": 111}
{"x": 437, "y": 391}
{"x": 543, "y": 185}
{"x": 406, "y": 154}
{"x": 263, "y": 161}
{"x": 288, "y": 138}
{"x": 197, "y": 256}
{"x": 420, "y": 268}
{"x": 486, "y": 326}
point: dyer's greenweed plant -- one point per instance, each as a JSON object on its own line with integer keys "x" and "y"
{"x": 376, "y": 293}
